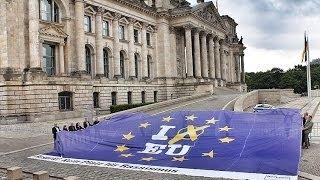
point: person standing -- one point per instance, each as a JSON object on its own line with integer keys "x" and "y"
{"x": 72, "y": 128}
{"x": 307, "y": 130}
{"x": 55, "y": 130}
{"x": 65, "y": 128}
{"x": 78, "y": 127}
{"x": 304, "y": 119}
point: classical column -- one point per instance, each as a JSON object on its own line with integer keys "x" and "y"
{"x": 217, "y": 58}
{"x": 116, "y": 43}
{"x": 189, "y": 51}
{"x": 34, "y": 43}
{"x": 173, "y": 51}
{"x": 204, "y": 55}
{"x": 238, "y": 68}
{"x": 243, "y": 74}
{"x": 79, "y": 28}
{"x": 132, "y": 69}
{"x": 99, "y": 44}
{"x": 197, "y": 59}
{"x": 231, "y": 67}
{"x": 223, "y": 62}
{"x": 212, "y": 74}
{"x": 4, "y": 63}
{"x": 144, "y": 51}
{"x": 61, "y": 58}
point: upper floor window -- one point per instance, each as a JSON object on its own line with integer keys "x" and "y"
{"x": 88, "y": 60}
{"x": 136, "y": 35}
{"x": 48, "y": 63}
{"x": 121, "y": 32}
{"x": 105, "y": 28}
{"x": 122, "y": 64}
{"x": 49, "y": 10}
{"x": 87, "y": 23}
{"x": 65, "y": 101}
{"x": 106, "y": 62}
{"x": 148, "y": 39}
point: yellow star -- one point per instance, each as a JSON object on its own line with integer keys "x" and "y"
{"x": 144, "y": 125}
{"x": 226, "y": 128}
{"x": 181, "y": 159}
{"x": 128, "y": 136}
{"x": 226, "y": 140}
{"x": 212, "y": 121}
{"x": 126, "y": 155}
{"x": 210, "y": 154}
{"x": 167, "y": 119}
{"x": 148, "y": 159}
{"x": 121, "y": 148}
{"x": 191, "y": 118}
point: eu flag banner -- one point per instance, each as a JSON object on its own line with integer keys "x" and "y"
{"x": 198, "y": 143}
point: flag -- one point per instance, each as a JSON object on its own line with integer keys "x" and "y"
{"x": 305, "y": 49}
{"x": 221, "y": 144}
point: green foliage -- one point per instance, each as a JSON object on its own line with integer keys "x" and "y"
{"x": 276, "y": 78}
{"x": 122, "y": 107}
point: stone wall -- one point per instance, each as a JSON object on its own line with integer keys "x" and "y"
{"x": 269, "y": 96}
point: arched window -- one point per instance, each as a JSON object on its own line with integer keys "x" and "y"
{"x": 106, "y": 62}
{"x": 122, "y": 64}
{"x": 114, "y": 98}
{"x": 149, "y": 60}
{"x": 88, "y": 60}
{"x": 143, "y": 97}
{"x": 65, "y": 101}
{"x": 136, "y": 65}
{"x": 49, "y": 10}
{"x": 129, "y": 94}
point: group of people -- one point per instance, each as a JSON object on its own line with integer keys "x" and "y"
{"x": 306, "y": 130}
{"x": 73, "y": 127}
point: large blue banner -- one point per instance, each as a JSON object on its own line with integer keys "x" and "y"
{"x": 260, "y": 143}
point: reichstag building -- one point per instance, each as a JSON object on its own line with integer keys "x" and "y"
{"x": 63, "y": 58}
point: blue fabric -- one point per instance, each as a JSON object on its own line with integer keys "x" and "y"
{"x": 267, "y": 142}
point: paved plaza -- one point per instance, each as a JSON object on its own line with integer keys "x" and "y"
{"x": 18, "y": 142}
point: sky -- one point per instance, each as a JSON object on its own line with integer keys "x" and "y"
{"x": 273, "y": 30}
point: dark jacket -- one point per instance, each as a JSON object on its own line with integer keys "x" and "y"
{"x": 308, "y": 127}
{"x": 55, "y": 130}
{"x": 72, "y": 128}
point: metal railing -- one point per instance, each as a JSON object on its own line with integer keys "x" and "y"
{"x": 315, "y": 131}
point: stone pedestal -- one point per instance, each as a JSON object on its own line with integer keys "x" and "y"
{"x": 41, "y": 175}
{"x": 14, "y": 173}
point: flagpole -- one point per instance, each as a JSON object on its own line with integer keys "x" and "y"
{"x": 308, "y": 71}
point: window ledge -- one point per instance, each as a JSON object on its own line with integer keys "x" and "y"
{"x": 89, "y": 33}
{"x": 137, "y": 44}
{"x": 51, "y": 22}
{"x": 150, "y": 47}
{"x": 123, "y": 40}
{"x": 108, "y": 37}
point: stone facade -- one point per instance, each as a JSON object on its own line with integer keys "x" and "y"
{"x": 154, "y": 49}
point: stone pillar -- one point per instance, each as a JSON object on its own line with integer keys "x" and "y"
{"x": 99, "y": 44}
{"x": 212, "y": 71}
{"x": 223, "y": 62}
{"x": 34, "y": 43}
{"x": 79, "y": 29}
{"x": 204, "y": 55}
{"x": 173, "y": 51}
{"x": 144, "y": 51}
{"x": 197, "y": 59}
{"x": 4, "y": 63}
{"x": 189, "y": 51}
{"x": 238, "y": 68}
{"x": 61, "y": 59}
{"x": 243, "y": 74}
{"x": 132, "y": 69}
{"x": 217, "y": 58}
{"x": 116, "y": 43}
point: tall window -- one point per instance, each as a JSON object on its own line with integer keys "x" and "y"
{"x": 122, "y": 64}
{"x": 136, "y": 35}
{"x": 96, "y": 100}
{"x": 114, "y": 98}
{"x": 136, "y": 65}
{"x": 65, "y": 101}
{"x": 149, "y": 59}
{"x": 87, "y": 23}
{"x": 129, "y": 97}
{"x": 121, "y": 32}
{"x": 106, "y": 62}
{"x": 48, "y": 59}
{"x": 155, "y": 96}
{"x": 148, "y": 39}
{"x": 105, "y": 28}
{"x": 143, "y": 97}
{"x": 88, "y": 60}
{"x": 49, "y": 10}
